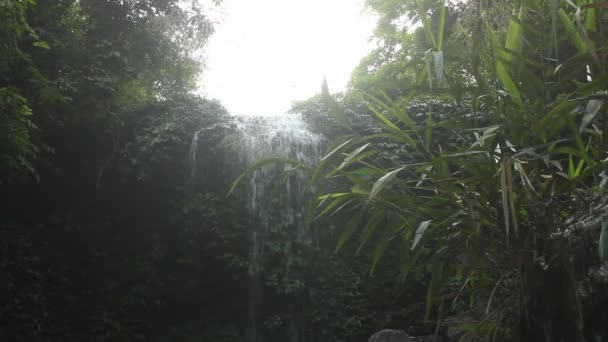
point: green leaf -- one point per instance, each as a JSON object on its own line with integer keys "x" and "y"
{"x": 394, "y": 129}
{"x": 420, "y": 232}
{"x": 371, "y": 226}
{"x": 572, "y": 33}
{"x": 441, "y": 27}
{"x": 434, "y": 286}
{"x": 334, "y": 195}
{"x": 428, "y": 59}
{"x": 593, "y": 107}
{"x": 603, "y": 241}
{"x": 381, "y": 183}
{"x": 502, "y": 71}
{"x": 426, "y": 24}
{"x": 349, "y": 230}
{"x": 514, "y": 37}
{"x": 438, "y": 60}
{"x": 570, "y": 168}
{"x": 590, "y": 21}
{"x": 336, "y": 149}
{"x": 349, "y": 158}
{"x": 428, "y": 134}
{"x": 554, "y": 10}
{"x": 337, "y": 201}
{"x": 42, "y": 44}
{"x": 257, "y": 166}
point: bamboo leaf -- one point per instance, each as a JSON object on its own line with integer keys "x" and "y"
{"x": 353, "y": 154}
{"x": 336, "y": 149}
{"x": 441, "y": 27}
{"x": 420, "y": 232}
{"x": 389, "y": 125}
{"x": 426, "y": 24}
{"x": 590, "y": 21}
{"x": 428, "y": 134}
{"x": 438, "y": 60}
{"x": 378, "y": 253}
{"x": 434, "y": 285}
{"x": 428, "y": 59}
{"x": 381, "y": 183}
{"x": 572, "y": 33}
{"x": 603, "y": 241}
{"x": 331, "y": 205}
{"x": 596, "y": 5}
{"x": 334, "y": 195}
{"x": 257, "y": 166}
{"x": 370, "y": 228}
{"x": 502, "y": 71}
{"x": 593, "y": 107}
{"x": 554, "y": 10}
{"x": 514, "y": 37}
{"x": 349, "y": 230}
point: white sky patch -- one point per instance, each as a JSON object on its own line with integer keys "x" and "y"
{"x": 266, "y": 54}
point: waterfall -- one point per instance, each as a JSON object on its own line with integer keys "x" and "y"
{"x": 275, "y": 201}
{"x": 284, "y": 136}
{"x": 193, "y": 153}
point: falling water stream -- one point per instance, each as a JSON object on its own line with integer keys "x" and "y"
{"x": 256, "y": 138}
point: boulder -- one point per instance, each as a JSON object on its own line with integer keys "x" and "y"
{"x": 389, "y": 335}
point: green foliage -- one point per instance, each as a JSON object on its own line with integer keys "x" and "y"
{"x": 487, "y": 196}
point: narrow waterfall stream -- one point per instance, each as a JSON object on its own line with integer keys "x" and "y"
{"x": 274, "y": 201}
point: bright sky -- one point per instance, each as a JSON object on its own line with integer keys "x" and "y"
{"x": 266, "y": 54}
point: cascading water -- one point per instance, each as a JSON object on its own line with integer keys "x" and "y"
{"x": 276, "y": 201}
{"x": 260, "y": 138}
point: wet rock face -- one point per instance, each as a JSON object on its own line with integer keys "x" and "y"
{"x": 388, "y": 335}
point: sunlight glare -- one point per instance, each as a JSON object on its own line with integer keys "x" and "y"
{"x": 266, "y": 54}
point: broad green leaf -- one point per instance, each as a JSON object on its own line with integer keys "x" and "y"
{"x": 420, "y": 232}
{"x": 381, "y": 183}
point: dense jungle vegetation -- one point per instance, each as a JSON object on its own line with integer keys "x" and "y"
{"x": 462, "y": 193}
